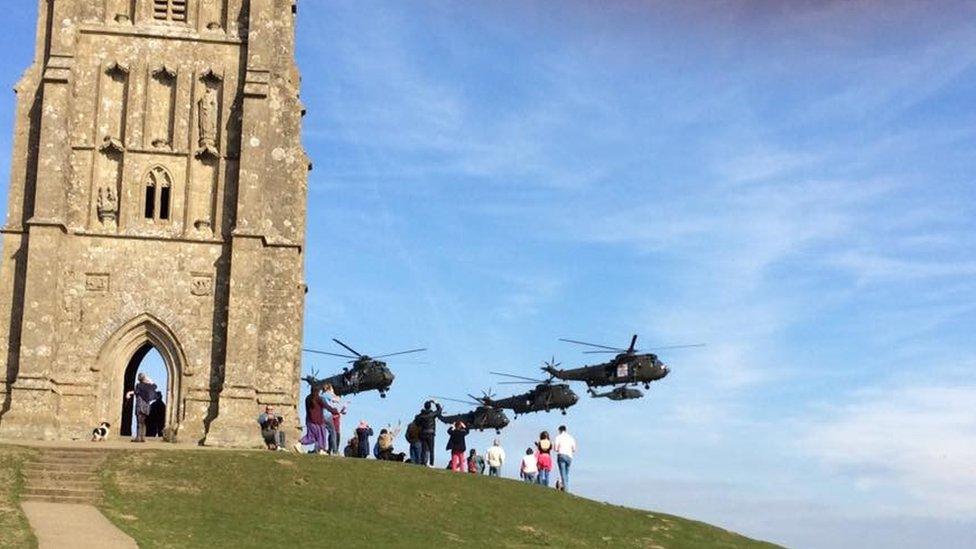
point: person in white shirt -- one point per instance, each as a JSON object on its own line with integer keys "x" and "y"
{"x": 495, "y": 456}
{"x": 530, "y": 467}
{"x": 565, "y": 447}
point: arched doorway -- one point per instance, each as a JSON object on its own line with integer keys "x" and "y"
{"x": 143, "y": 343}
{"x": 148, "y": 360}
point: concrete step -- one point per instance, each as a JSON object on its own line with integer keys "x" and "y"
{"x": 60, "y": 499}
{"x": 46, "y": 484}
{"x": 60, "y": 466}
{"x": 67, "y": 492}
{"x": 93, "y": 458}
{"x": 43, "y": 474}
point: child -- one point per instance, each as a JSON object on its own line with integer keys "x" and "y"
{"x": 530, "y": 466}
{"x": 338, "y": 409}
{"x": 457, "y": 445}
{"x": 476, "y": 463}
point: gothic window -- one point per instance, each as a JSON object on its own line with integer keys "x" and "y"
{"x": 169, "y": 10}
{"x": 158, "y": 201}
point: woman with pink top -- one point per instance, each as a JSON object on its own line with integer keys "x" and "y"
{"x": 543, "y": 458}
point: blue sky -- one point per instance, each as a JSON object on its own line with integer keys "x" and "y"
{"x": 792, "y": 185}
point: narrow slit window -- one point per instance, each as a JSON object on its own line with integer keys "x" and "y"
{"x": 150, "y": 200}
{"x": 159, "y": 195}
{"x": 164, "y": 203}
{"x": 170, "y": 10}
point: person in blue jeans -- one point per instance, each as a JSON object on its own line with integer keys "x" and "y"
{"x": 565, "y": 447}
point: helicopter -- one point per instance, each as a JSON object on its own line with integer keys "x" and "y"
{"x": 545, "y": 396}
{"x": 366, "y": 374}
{"x": 619, "y": 393}
{"x": 481, "y": 418}
{"x": 629, "y": 367}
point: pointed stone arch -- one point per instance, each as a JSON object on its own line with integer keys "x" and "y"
{"x": 131, "y": 342}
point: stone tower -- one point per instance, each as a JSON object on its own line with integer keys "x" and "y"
{"x": 157, "y": 200}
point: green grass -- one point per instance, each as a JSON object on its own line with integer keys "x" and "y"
{"x": 265, "y": 499}
{"x": 14, "y": 530}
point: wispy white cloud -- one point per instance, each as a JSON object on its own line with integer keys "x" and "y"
{"x": 918, "y": 438}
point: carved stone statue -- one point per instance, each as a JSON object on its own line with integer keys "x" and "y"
{"x": 207, "y": 114}
{"x": 107, "y": 204}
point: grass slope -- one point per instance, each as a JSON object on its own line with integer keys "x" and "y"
{"x": 253, "y": 499}
{"x": 14, "y": 530}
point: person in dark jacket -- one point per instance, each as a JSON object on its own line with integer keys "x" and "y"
{"x": 157, "y": 417}
{"x": 427, "y": 421}
{"x": 413, "y": 440}
{"x": 144, "y": 393}
{"x": 456, "y": 444}
{"x": 363, "y": 432}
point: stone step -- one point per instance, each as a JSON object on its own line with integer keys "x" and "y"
{"x": 74, "y": 456}
{"x": 61, "y": 465}
{"x": 60, "y": 499}
{"x": 41, "y": 474}
{"x": 62, "y": 492}
{"x": 69, "y": 459}
{"x": 48, "y": 484}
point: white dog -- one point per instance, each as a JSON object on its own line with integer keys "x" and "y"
{"x": 100, "y": 433}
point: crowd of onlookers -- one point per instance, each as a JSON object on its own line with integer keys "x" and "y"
{"x": 324, "y": 411}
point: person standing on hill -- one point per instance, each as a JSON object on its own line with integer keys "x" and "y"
{"x": 457, "y": 446}
{"x": 318, "y": 431}
{"x": 157, "y": 416}
{"x": 530, "y": 466}
{"x": 544, "y": 457}
{"x": 427, "y": 421}
{"x": 476, "y": 463}
{"x": 413, "y": 441}
{"x": 144, "y": 393}
{"x": 337, "y": 408}
{"x": 363, "y": 432}
{"x": 495, "y": 456}
{"x": 565, "y": 447}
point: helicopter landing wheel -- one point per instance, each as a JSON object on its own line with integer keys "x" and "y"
{"x": 382, "y": 395}
{"x": 647, "y": 385}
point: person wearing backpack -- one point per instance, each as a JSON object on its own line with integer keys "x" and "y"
{"x": 456, "y": 444}
{"x": 427, "y": 421}
{"x": 413, "y": 440}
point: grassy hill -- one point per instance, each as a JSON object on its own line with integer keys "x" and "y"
{"x": 263, "y": 499}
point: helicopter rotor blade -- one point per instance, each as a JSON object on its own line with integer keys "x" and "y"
{"x": 348, "y": 348}
{"x": 633, "y": 342}
{"x": 401, "y": 353}
{"x": 456, "y": 400}
{"x": 602, "y": 352}
{"x": 676, "y": 347}
{"x": 317, "y": 352}
{"x": 592, "y": 345}
{"x": 523, "y": 382}
{"x": 516, "y": 377}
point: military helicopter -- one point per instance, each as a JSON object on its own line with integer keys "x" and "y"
{"x": 481, "y": 418}
{"x": 629, "y": 367}
{"x": 545, "y": 396}
{"x": 619, "y": 393}
{"x": 367, "y": 373}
